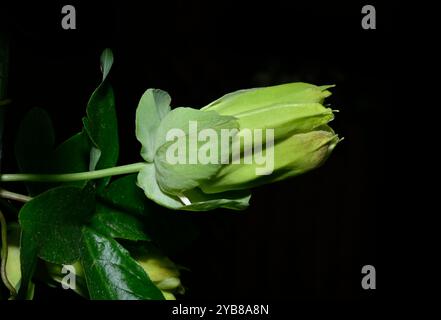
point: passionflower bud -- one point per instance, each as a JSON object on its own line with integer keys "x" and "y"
{"x": 299, "y": 140}
{"x": 204, "y": 159}
{"x": 161, "y": 270}
{"x": 294, "y": 155}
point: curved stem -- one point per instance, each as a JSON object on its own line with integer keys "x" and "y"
{"x": 14, "y": 196}
{"x": 4, "y": 255}
{"x": 65, "y": 177}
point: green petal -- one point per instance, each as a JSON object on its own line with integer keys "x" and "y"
{"x": 152, "y": 108}
{"x": 176, "y": 177}
{"x": 251, "y": 99}
{"x": 197, "y": 200}
{"x": 286, "y": 119}
{"x": 147, "y": 181}
{"x": 292, "y": 156}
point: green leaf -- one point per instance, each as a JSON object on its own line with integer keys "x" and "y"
{"x": 106, "y": 62}
{"x": 198, "y": 201}
{"x": 53, "y": 220}
{"x": 35, "y": 150}
{"x": 101, "y": 125}
{"x": 34, "y": 146}
{"x": 111, "y": 273}
{"x": 72, "y": 156}
{"x": 117, "y": 224}
{"x": 152, "y": 108}
{"x": 124, "y": 194}
{"x": 176, "y": 178}
{"x": 166, "y": 228}
{"x": 101, "y": 122}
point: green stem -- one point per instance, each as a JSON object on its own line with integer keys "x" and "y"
{"x": 6, "y": 194}
{"x": 4, "y": 255}
{"x": 66, "y": 177}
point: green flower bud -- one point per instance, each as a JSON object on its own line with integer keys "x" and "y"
{"x": 161, "y": 270}
{"x": 294, "y": 155}
{"x": 203, "y": 159}
{"x": 300, "y": 140}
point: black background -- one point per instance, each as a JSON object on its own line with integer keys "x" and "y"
{"x": 303, "y": 238}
